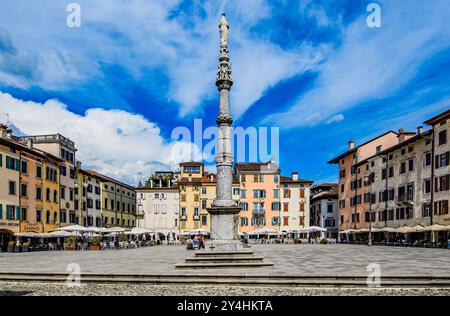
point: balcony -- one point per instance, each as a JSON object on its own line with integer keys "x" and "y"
{"x": 196, "y": 217}
{"x": 183, "y": 217}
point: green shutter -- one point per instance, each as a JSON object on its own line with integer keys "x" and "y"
{"x": 17, "y": 213}
{"x": 1, "y": 161}
{"x": 1, "y": 211}
{"x": 7, "y": 212}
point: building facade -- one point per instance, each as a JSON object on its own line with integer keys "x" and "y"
{"x": 350, "y": 185}
{"x": 197, "y": 190}
{"x": 260, "y": 186}
{"x": 294, "y": 199}
{"x": 63, "y": 148}
{"x": 160, "y": 206}
{"x": 324, "y": 210}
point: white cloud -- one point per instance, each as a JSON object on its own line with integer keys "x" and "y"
{"x": 117, "y": 143}
{"x": 335, "y": 118}
{"x": 373, "y": 63}
{"x": 142, "y": 35}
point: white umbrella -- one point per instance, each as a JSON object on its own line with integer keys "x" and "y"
{"x": 264, "y": 231}
{"x": 26, "y": 234}
{"x": 61, "y": 233}
{"x": 313, "y": 229}
{"x": 437, "y": 228}
{"x": 141, "y": 231}
{"x": 388, "y": 229}
{"x": 347, "y": 231}
{"x": 112, "y": 230}
{"x": 74, "y": 228}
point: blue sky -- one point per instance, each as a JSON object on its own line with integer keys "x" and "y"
{"x": 136, "y": 69}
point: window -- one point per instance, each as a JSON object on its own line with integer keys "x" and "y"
{"x": 39, "y": 194}
{"x": 183, "y": 212}
{"x": 71, "y": 195}
{"x": 410, "y": 164}
{"x": 12, "y": 188}
{"x": 444, "y": 184}
{"x": 330, "y": 208}
{"x": 63, "y": 170}
{"x": 285, "y": 221}
{"x": 244, "y": 206}
{"x": 98, "y": 205}
{"x": 276, "y": 193}
{"x": 236, "y": 191}
{"x": 38, "y": 216}
{"x": 204, "y": 220}
{"x": 259, "y": 193}
{"x": 427, "y": 159}
{"x": 443, "y": 137}
{"x": 243, "y": 178}
{"x": 63, "y": 216}
{"x": 276, "y": 178}
{"x": 426, "y": 210}
{"x": 355, "y": 218}
{"x": 286, "y": 193}
{"x": 427, "y": 186}
{"x": 204, "y": 204}
{"x": 25, "y": 167}
{"x": 258, "y": 178}
{"x": 23, "y": 190}
{"x": 402, "y": 168}
{"x": 391, "y": 172}
{"x": 196, "y": 211}
{"x": 55, "y": 196}
{"x": 47, "y": 217}
{"x": 342, "y": 173}
{"x": 342, "y": 188}
{"x": 183, "y": 197}
{"x": 441, "y": 207}
{"x": 63, "y": 193}
{"x": 285, "y": 207}
{"x": 243, "y": 194}
{"x": 12, "y": 163}
{"x": 97, "y": 190}
{"x": 244, "y": 221}
{"x": 442, "y": 160}
{"x": 276, "y": 206}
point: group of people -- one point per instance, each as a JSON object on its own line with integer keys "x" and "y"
{"x": 197, "y": 243}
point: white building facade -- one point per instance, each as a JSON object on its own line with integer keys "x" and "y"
{"x": 294, "y": 203}
{"x": 160, "y": 209}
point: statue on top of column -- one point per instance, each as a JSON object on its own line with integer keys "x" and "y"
{"x": 223, "y": 25}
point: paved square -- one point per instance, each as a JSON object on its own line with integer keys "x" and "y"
{"x": 328, "y": 260}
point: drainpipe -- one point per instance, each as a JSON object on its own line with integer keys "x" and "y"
{"x": 386, "y": 188}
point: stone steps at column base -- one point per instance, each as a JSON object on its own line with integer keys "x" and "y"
{"x": 227, "y": 263}
{"x": 218, "y": 259}
{"x": 229, "y": 254}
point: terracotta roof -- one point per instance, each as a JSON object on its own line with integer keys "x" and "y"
{"x": 192, "y": 163}
{"x": 149, "y": 188}
{"x": 41, "y": 154}
{"x": 345, "y": 154}
{"x": 251, "y": 166}
{"x": 106, "y": 178}
{"x": 290, "y": 180}
{"x": 395, "y": 147}
{"x": 438, "y": 118}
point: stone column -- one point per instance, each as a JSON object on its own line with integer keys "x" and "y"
{"x": 224, "y": 211}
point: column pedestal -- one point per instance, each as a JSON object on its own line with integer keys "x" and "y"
{"x": 224, "y": 229}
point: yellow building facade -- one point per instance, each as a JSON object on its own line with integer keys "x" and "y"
{"x": 197, "y": 192}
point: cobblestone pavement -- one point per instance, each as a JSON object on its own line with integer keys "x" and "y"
{"x": 288, "y": 259}
{"x": 54, "y": 289}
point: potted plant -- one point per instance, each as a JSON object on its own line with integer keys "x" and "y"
{"x": 70, "y": 243}
{"x": 123, "y": 238}
{"x": 324, "y": 241}
{"x": 95, "y": 243}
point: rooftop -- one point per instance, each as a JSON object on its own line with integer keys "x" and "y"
{"x": 438, "y": 118}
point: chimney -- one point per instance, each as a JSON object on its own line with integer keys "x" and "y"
{"x": 351, "y": 144}
{"x": 401, "y": 135}
{"x": 9, "y": 133}
{"x": 3, "y": 129}
{"x": 295, "y": 176}
{"x": 30, "y": 143}
{"x": 78, "y": 165}
{"x": 419, "y": 130}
